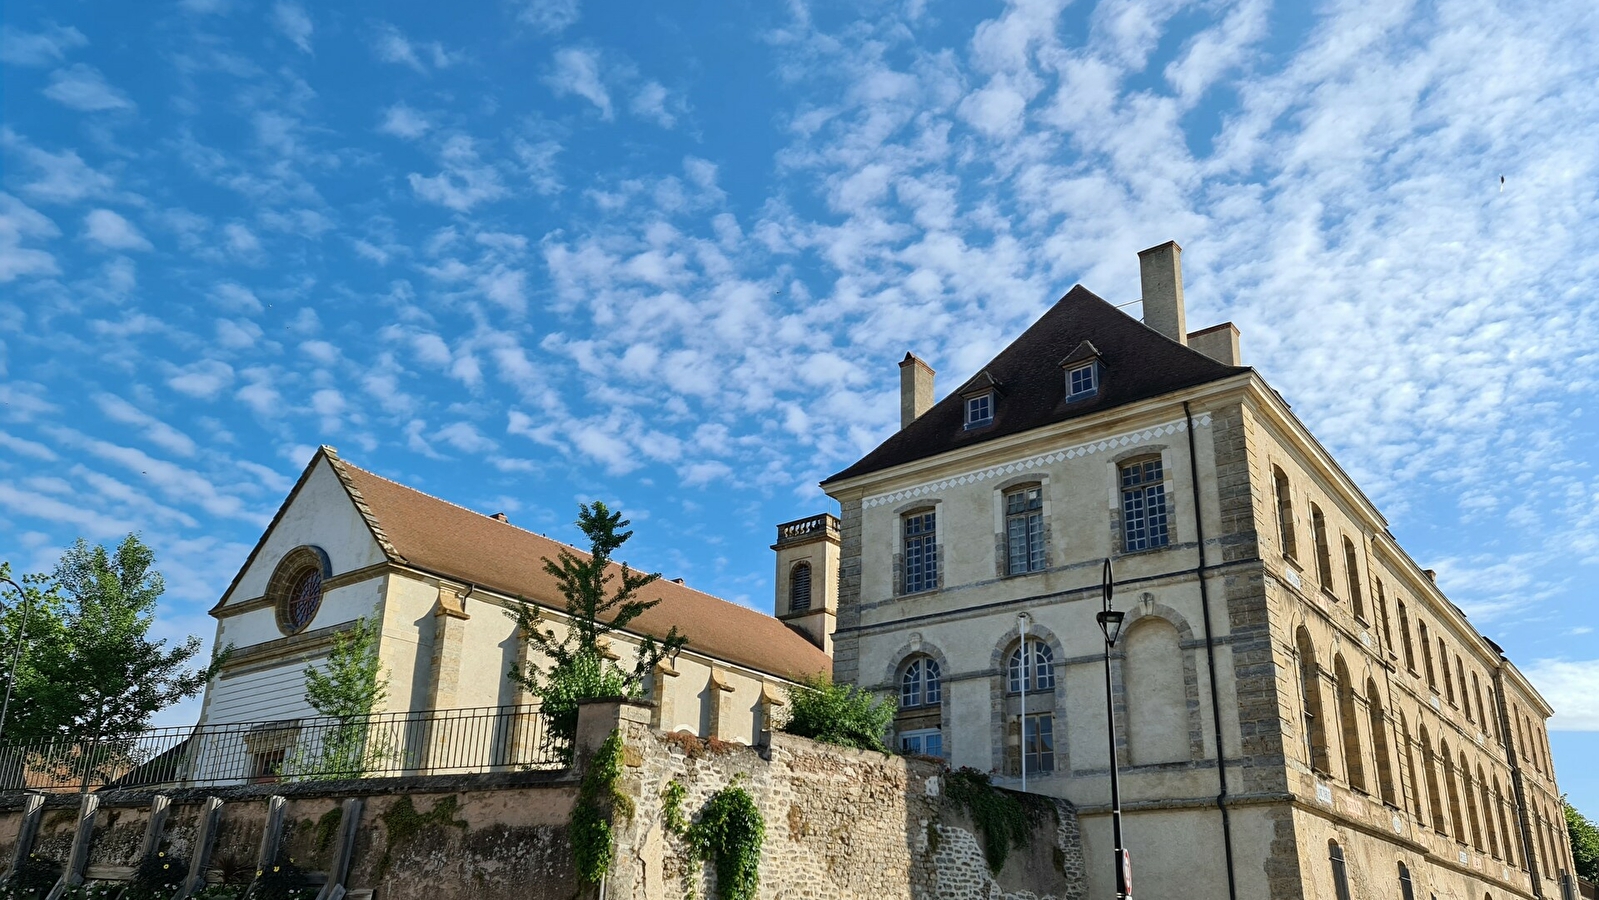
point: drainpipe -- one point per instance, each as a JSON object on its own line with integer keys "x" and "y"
{"x": 1210, "y": 657}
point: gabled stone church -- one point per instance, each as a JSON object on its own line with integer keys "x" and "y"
{"x": 1300, "y": 711}
{"x": 438, "y": 579}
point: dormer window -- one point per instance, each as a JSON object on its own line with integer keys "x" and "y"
{"x": 1084, "y": 370}
{"x": 1082, "y": 381}
{"x": 980, "y": 410}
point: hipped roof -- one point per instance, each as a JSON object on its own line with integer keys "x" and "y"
{"x": 423, "y": 532}
{"x": 1139, "y": 363}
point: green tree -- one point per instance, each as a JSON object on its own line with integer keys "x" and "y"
{"x": 348, "y": 689}
{"x": 600, "y": 600}
{"x": 838, "y": 714}
{"x": 90, "y": 670}
{"x": 1584, "y": 842}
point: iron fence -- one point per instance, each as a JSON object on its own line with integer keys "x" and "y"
{"x": 423, "y": 742}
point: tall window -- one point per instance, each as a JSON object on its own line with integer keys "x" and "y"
{"x": 921, "y": 552}
{"x": 922, "y": 683}
{"x": 1024, "y": 530}
{"x": 1435, "y": 797}
{"x": 1488, "y": 812}
{"x": 1357, "y": 602}
{"x": 1426, "y": 655}
{"x": 1443, "y": 663}
{"x": 1465, "y": 697}
{"x": 1471, "y": 803}
{"x": 1452, "y": 785}
{"x": 799, "y": 587}
{"x": 1034, "y": 668}
{"x": 1379, "y": 744}
{"x": 1285, "y": 514}
{"x": 1382, "y": 614}
{"x": 1349, "y": 724}
{"x": 1318, "y": 531}
{"x": 1038, "y": 741}
{"x": 1143, "y": 505}
{"x": 1504, "y": 823}
{"x": 1407, "y": 890}
{"x": 1404, "y": 638}
{"x": 1315, "y": 742}
{"x": 1340, "y": 871}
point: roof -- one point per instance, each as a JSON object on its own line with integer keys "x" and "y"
{"x": 424, "y": 532}
{"x": 1139, "y": 363}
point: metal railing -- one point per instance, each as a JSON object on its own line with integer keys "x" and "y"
{"x": 382, "y": 745}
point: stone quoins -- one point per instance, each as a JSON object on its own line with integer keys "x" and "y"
{"x": 1111, "y": 443}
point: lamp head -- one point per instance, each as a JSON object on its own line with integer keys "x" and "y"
{"x": 1110, "y": 622}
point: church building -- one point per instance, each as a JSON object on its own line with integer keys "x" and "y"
{"x": 1299, "y": 710}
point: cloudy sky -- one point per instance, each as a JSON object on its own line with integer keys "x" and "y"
{"x": 522, "y": 254}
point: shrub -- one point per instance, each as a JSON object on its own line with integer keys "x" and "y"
{"x": 838, "y": 714}
{"x": 32, "y": 879}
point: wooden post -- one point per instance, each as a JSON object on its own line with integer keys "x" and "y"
{"x": 349, "y": 827}
{"x": 204, "y": 841}
{"x": 160, "y": 805}
{"x": 271, "y": 836}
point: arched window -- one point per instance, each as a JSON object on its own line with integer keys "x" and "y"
{"x": 1476, "y": 694}
{"x": 1035, "y": 669}
{"x": 1315, "y": 741}
{"x": 799, "y": 587}
{"x": 1357, "y": 601}
{"x": 1435, "y": 803}
{"x": 296, "y": 587}
{"x": 1379, "y": 744}
{"x": 1382, "y": 616}
{"x": 1451, "y": 784}
{"x": 1426, "y": 655}
{"x": 1449, "y": 680}
{"x": 1471, "y": 804}
{"x": 1404, "y": 638}
{"x": 1285, "y": 514}
{"x": 1318, "y": 531}
{"x": 921, "y": 684}
{"x": 1407, "y": 890}
{"x": 919, "y": 720}
{"x": 1154, "y": 675}
{"x": 1340, "y": 871}
{"x": 1465, "y": 698}
{"x": 1508, "y": 842}
{"x": 1487, "y": 812}
{"x": 1349, "y": 725}
{"x": 1408, "y": 760}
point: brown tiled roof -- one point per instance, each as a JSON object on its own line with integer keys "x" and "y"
{"x": 444, "y": 539}
{"x": 1139, "y": 363}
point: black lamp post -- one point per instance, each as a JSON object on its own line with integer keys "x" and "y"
{"x": 1110, "y": 622}
{"x": 16, "y": 654}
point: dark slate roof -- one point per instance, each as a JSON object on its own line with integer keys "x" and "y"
{"x": 1138, "y": 362}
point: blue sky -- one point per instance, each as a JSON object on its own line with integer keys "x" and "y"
{"x": 522, "y": 254}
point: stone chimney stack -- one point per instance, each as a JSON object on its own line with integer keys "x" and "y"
{"x": 915, "y": 388}
{"x": 1160, "y": 271}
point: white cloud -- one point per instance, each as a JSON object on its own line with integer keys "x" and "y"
{"x": 403, "y": 121}
{"x": 83, "y": 88}
{"x": 291, "y": 20}
{"x": 60, "y": 177}
{"x": 242, "y": 242}
{"x": 234, "y": 297}
{"x": 462, "y": 436}
{"x": 465, "y": 180}
{"x": 390, "y": 45}
{"x": 18, "y": 223}
{"x": 650, "y": 103}
{"x": 48, "y": 47}
{"x": 25, "y": 447}
{"x": 157, "y": 432}
{"x": 577, "y": 73}
{"x": 548, "y": 16}
{"x": 237, "y": 334}
{"x": 112, "y": 231}
{"x": 204, "y": 379}
{"x": 1572, "y": 688}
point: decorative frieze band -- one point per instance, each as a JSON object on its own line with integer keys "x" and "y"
{"x": 1043, "y": 459}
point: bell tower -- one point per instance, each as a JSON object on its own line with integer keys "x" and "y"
{"x": 807, "y": 577}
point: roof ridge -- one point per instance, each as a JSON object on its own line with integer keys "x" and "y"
{"x": 361, "y": 506}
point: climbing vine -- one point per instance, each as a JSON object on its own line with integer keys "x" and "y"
{"x": 730, "y": 832}
{"x": 1001, "y": 817}
{"x": 672, "y": 808}
{"x": 592, "y": 836}
{"x": 401, "y": 822}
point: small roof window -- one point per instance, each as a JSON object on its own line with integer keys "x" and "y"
{"x": 1084, "y": 371}
{"x": 981, "y": 395}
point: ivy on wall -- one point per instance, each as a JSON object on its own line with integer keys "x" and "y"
{"x": 1001, "y": 817}
{"x": 592, "y": 835}
{"x": 729, "y": 832}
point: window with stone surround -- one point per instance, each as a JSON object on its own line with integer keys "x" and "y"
{"x": 1357, "y": 602}
{"x": 1382, "y": 615}
{"x": 921, "y": 551}
{"x": 1285, "y": 514}
{"x": 1318, "y": 533}
{"x": 921, "y": 684}
{"x": 1349, "y": 725}
{"x": 296, "y": 587}
{"x": 1143, "y": 492}
{"x": 980, "y": 410}
{"x": 1435, "y": 797}
{"x": 1449, "y": 679}
{"x": 1340, "y": 871}
{"x": 1311, "y": 734}
{"x": 1407, "y": 889}
{"x": 1404, "y": 638}
{"x": 1379, "y": 744}
{"x": 922, "y": 742}
{"x": 919, "y": 720}
{"x": 1034, "y": 670}
{"x": 1082, "y": 382}
{"x": 799, "y": 587}
{"x": 1038, "y": 742}
{"x": 1024, "y": 530}
{"x": 1426, "y": 655}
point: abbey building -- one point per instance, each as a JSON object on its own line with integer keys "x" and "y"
{"x": 1300, "y": 712}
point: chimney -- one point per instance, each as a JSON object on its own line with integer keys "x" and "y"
{"x": 677, "y": 581}
{"x": 915, "y": 389}
{"x": 1160, "y": 271}
{"x": 500, "y": 517}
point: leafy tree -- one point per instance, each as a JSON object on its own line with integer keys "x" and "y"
{"x": 599, "y": 601}
{"x": 349, "y": 689}
{"x": 91, "y": 671}
{"x": 838, "y": 714}
{"x": 1584, "y": 842}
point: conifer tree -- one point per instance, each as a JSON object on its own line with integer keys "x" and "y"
{"x": 599, "y": 601}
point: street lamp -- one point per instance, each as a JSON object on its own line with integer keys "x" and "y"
{"x": 1110, "y": 622}
{"x": 16, "y": 654}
